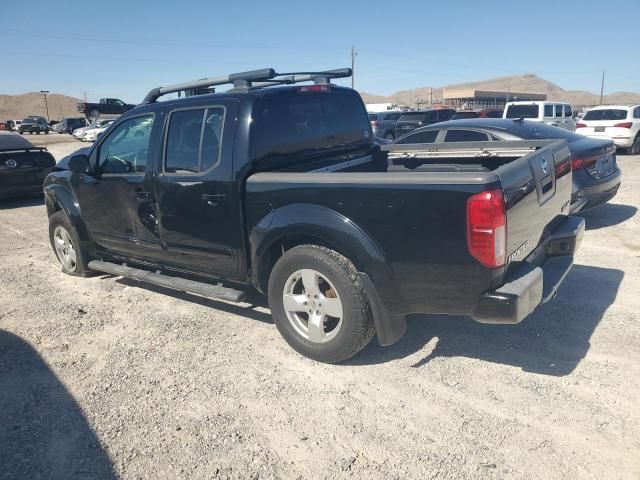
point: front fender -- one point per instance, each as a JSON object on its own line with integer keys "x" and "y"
{"x": 343, "y": 235}
{"x": 59, "y": 196}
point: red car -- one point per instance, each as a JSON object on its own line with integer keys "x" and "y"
{"x": 484, "y": 113}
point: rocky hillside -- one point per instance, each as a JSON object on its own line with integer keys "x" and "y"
{"x": 515, "y": 83}
{"x": 21, "y": 106}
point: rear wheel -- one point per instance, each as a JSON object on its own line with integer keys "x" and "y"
{"x": 635, "y": 148}
{"x": 66, "y": 245}
{"x": 389, "y": 136}
{"x": 319, "y": 304}
{"x": 94, "y": 114}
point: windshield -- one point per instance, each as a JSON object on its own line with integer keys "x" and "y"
{"x": 461, "y": 115}
{"x": 541, "y": 131}
{"x": 29, "y": 120}
{"x": 412, "y": 117}
{"x": 523, "y": 111}
{"x": 606, "y": 114}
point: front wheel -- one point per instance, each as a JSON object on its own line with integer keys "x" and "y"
{"x": 66, "y": 245}
{"x": 319, "y": 304}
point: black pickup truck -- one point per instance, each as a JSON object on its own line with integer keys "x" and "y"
{"x": 107, "y": 106}
{"x": 281, "y": 188}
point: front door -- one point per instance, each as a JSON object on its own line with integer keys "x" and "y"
{"x": 116, "y": 199}
{"x": 200, "y": 218}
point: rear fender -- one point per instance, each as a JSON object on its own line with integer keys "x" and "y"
{"x": 340, "y": 233}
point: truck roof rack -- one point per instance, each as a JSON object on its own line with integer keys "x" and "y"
{"x": 245, "y": 81}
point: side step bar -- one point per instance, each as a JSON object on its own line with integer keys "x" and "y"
{"x": 176, "y": 283}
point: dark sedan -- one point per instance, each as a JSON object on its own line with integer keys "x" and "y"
{"x": 23, "y": 167}
{"x": 596, "y": 176}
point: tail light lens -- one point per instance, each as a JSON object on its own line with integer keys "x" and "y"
{"x": 487, "y": 228}
{"x": 623, "y": 125}
{"x": 583, "y": 162}
{"x": 315, "y": 88}
{"x": 581, "y": 125}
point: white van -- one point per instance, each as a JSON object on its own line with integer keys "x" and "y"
{"x": 558, "y": 114}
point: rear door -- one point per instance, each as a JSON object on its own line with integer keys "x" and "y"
{"x": 200, "y": 221}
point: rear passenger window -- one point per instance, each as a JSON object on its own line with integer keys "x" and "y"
{"x": 465, "y": 136}
{"x": 193, "y": 140}
{"x": 636, "y": 112}
{"x": 559, "y": 111}
{"x": 420, "y": 137}
{"x": 567, "y": 111}
{"x": 548, "y": 110}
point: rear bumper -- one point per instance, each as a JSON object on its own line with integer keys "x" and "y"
{"x": 536, "y": 281}
{"x": 20, "y": 190}
{"x": 596, "y": 193}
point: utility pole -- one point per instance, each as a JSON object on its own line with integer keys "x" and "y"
{"x": 45, "y": 92}
{"x": 84, "y": 95}
{"x": 353, "y": 66}
{"x": 602, "y": 88}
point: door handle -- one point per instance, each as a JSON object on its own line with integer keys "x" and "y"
{"x": 141, "y": 194}
{"x": 213, "y": 200}
{"x": 218, "y": 196}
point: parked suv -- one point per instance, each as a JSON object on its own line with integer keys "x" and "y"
{"x": 620, "y": 123}
{"x": 557, "y": 114}
{"x": 283, "y": 190}
{"x": 411, "y": 120}
{"x": 72, "y": 123}
{"x": 383, "y": 124}
{"x": 34, "y": 125}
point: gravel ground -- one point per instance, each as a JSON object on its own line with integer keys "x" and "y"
{"x": 108, "y": 378}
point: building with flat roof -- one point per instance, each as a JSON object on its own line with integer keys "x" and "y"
{"x": 468, "y": 98}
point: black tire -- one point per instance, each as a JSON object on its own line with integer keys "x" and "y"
{"x": 389, "y": 136}
{"x": 60, "y": 219}
{"x": 356, "y": 329}
{"x": 635, "y": 148}
{"x": 94, "y": 113}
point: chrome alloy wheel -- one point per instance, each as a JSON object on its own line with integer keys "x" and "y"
{"x": 65, "y": 249}
{"x": 312, "y": 305}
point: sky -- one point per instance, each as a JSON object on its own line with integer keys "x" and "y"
{"x": 122, "y": 49}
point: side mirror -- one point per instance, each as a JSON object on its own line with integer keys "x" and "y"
{"x": 79, "y": 164}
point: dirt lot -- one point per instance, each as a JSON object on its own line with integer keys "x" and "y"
{"x": 108, "y": 378}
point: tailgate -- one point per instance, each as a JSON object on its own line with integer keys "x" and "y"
{"x": 537, "y": 190}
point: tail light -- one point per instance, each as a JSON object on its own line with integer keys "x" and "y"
{"x": 583, "y": 162}
{"x": 487, "y": 228}
{"x": 581, "y": 125}
{"x": 623, "y": 125}
{"x": 374, "y": 123}
{"x": 315, "y": 88}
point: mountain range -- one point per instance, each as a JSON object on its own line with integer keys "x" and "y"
{"x": 528, "y": 83}
{"x": 21, "y": 106}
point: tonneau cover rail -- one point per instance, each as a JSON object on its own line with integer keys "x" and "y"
{"x": 465, "y": 149}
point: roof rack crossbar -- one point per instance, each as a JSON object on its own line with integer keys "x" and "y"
{"x": 244, "y": 81}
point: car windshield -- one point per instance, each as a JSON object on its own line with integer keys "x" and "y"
{"x": 541, "y": 131}
{"x": 523, "y": 111}
{"x": 29, "y": 120}
{"x": 606, "y": 114}
{"x": 411, "y": 117}
{"x": 461, "y": 115}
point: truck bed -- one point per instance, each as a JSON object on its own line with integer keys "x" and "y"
{"x": 412, "y": 200}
